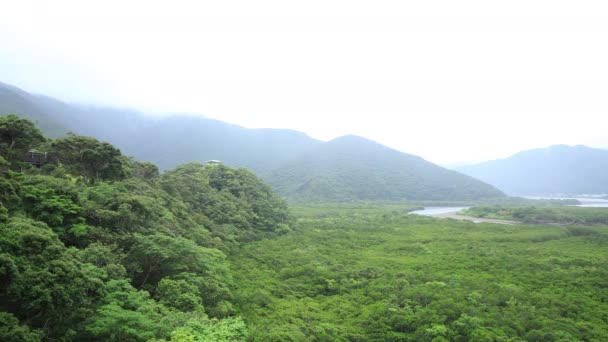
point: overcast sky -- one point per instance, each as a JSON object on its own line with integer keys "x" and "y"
{"x": 452, "y": 81}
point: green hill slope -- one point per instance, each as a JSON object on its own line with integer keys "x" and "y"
{"x": 558, "y": 169}
{"x": 16, "y": 101}
{"x": 352, "y": 167}
{"x": 96, "y": 246}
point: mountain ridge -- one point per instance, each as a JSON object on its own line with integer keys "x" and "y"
{"x": 383, "y": 173}
{"x": 356, "y": 167}
{"x": 557, "y": 169}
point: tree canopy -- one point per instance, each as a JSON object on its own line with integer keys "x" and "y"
{"x": 98, "y": 246}
{"x": 17, "y": 136}
{"x": 88, "y": 157}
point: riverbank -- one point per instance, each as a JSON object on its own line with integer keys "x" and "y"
{"x": 453, "y": 213}
{"x": 456, "y": 216}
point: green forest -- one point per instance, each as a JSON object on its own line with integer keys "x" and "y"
{"x": 389, "y": 276}
{"x": 97, "y": 246}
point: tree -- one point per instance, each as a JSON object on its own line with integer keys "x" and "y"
{"x": 45, "y": 285}
{"x": 89, "y": 158}
{"x": 144, "y": 170}
{"x": 128, "y": 315}
{"x": 53, "y": 201}
{"x": 231, "y": 198}
{"x": 180, "y": 294}
{"x": 11, "y": 330}
{"x": 157, "y": 256}
{"x": 17, "y": 136}
{"x": 228, "y": 329}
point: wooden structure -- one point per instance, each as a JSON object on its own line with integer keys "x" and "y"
{"x": 36, "y": 158}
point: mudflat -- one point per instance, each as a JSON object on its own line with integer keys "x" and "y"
{"x": 456, "y": 216}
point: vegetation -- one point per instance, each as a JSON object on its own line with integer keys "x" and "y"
{"x": 298, "y": 167}
{"x": 351, "y": 168}
{"x": 550, "y": 214}
{"x": 16, "y": 137}
{"x": 97, "y": 246}
{"x": 321, "y": 210}
{"x": 389, "y": 276}
{"x": 167, "y": 142}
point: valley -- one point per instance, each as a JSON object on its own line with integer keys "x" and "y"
{"x": 350, "y": 241}
{"x": 303, "y": 171}
{"x": 353, "y": 275}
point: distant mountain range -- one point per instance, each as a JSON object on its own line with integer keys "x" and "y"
{"x": 297, "y": 166}
{"x": 166, "y": 142}
{"x": 558, "y": 169}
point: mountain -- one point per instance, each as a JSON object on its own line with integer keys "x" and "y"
{"x": 166, "y": 142}
{"x": 299, "y": 167}
{"x": 36, "y": 108}
{"x": 354, "y": 167}
{"x": 559, "y": 169}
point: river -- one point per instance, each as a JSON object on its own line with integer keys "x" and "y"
{"x": 432, "y": 211}
{"x": 588, "y": 202}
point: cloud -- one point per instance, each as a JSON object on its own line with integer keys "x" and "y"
{"x": 448, "y": 80}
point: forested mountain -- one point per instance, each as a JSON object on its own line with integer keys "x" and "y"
{"x": 95, "y": 246}
{"x": 296, "y": 165}
{"x": 166, "y": 142}
{"x": 559, "y": 169}
{"x": 354, "y": 167}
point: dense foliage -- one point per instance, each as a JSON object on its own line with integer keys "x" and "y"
{"x": 97, "y": 246}
{"x": 547, "y": 214}
{"x": 352, "y": 167}
{"x": 373, "y": 276}
{"x": 17, "y": 136}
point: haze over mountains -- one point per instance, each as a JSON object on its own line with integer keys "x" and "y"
{"x": 166, "y": 142}
{"x": 298, "y": 167}
{"x": 556, "y": 170}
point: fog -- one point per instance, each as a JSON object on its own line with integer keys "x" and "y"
{"x": 450, "y": 81}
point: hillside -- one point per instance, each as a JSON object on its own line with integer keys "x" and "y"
{"x": 352, "y": 167}
{"x": 168, "y": 141}
{"x": 177, "y": 140}
{"x": 95, "y": 246}
{"x": 297, "y": 166}
{"x": 558, "y": 169}
{"x": 32, "y": 107}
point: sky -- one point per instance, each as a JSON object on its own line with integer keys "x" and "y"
{"x": 451, "y": 81}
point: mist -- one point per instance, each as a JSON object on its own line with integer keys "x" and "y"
{"x": 450, "y": 82}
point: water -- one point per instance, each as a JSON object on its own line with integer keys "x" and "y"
{"x": 588, "y": 202}
{"x": 593, "y": 202}
{"x": 432, "y": 211}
